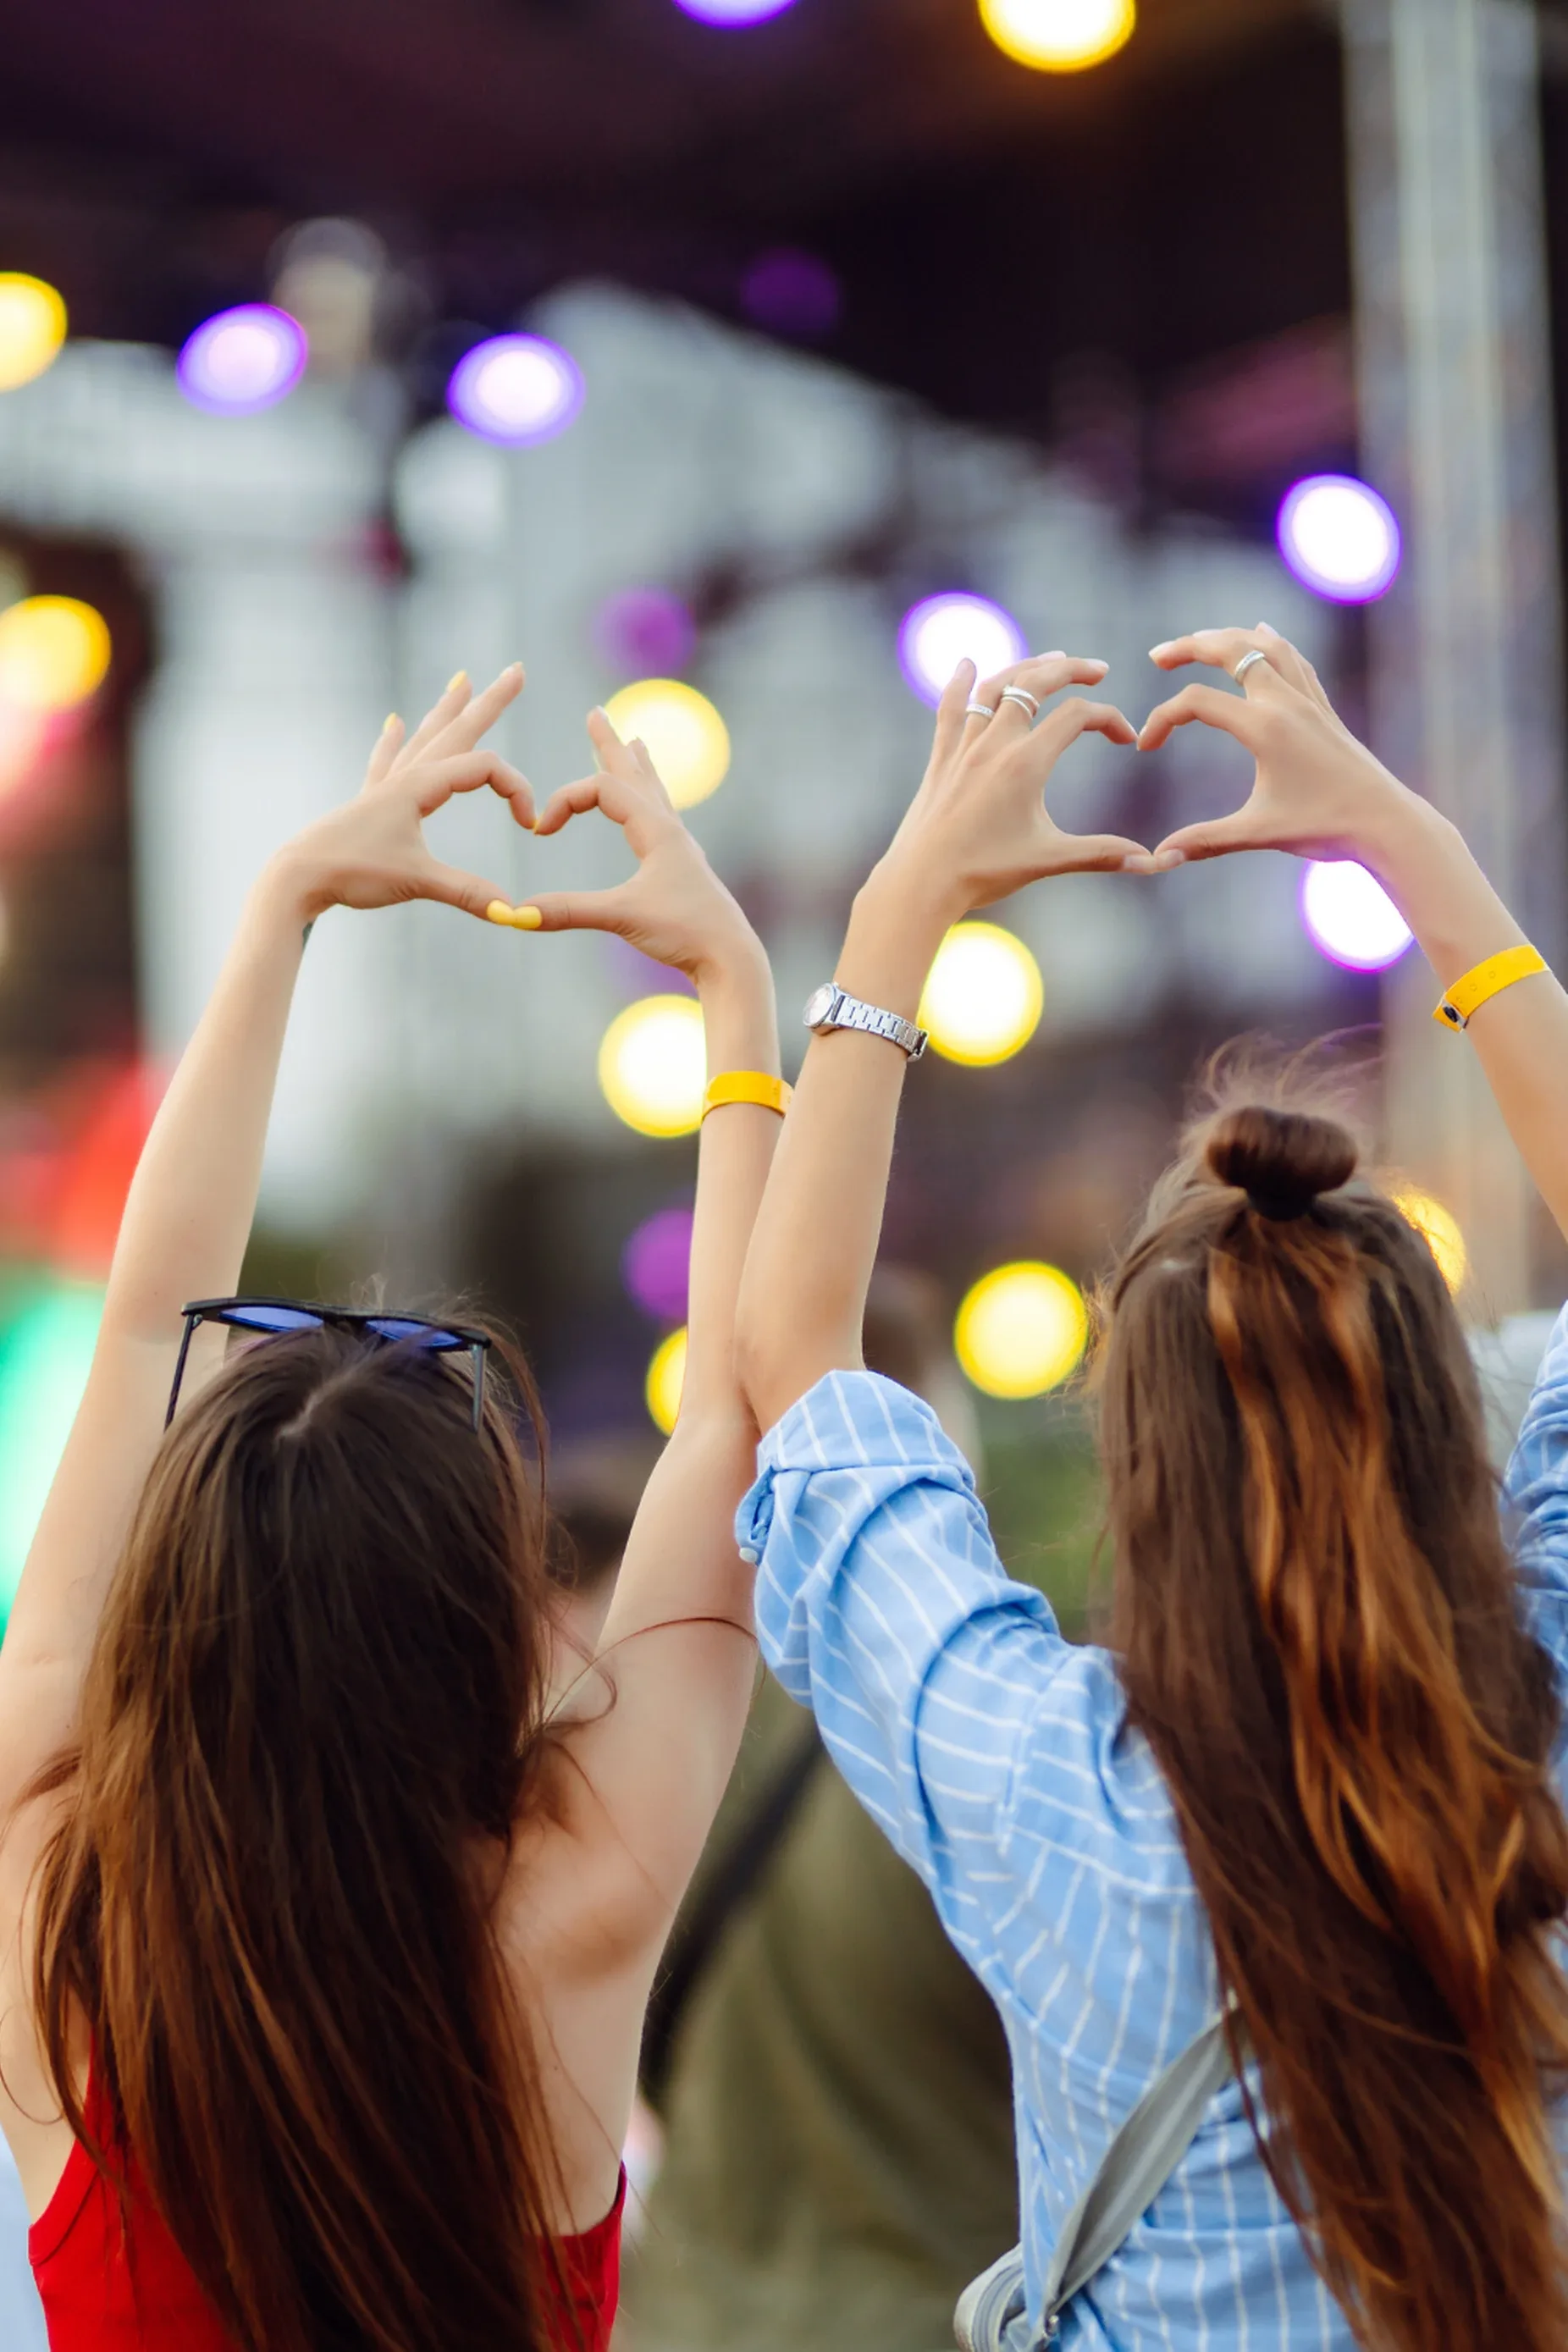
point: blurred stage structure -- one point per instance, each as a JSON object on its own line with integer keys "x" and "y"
{"x": 807, "y": 505}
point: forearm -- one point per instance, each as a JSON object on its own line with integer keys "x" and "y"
{"x": 680, "y": 1560}
{"x": 188, "y": 1215}
{"x": 1521, "y": 1035}
{"x": 734, "y": 1153}
{"x": 803, "y": 1298}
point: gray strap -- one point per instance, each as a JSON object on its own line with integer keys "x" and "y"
{"x": 1140, "y": 2160}
{"x": 1136, "y": 2165}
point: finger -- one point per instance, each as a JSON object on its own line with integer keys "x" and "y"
{"x": 617, "y": 757}
{"x": 1075, "y": 717}
{"x": 573, "y": 910}
{"x": 387, "y": 744}
{"x": 463, "y": 729}
{"x": 1218, "y": 648}
{"x": 1101, "y": 853}
{"x": 954, "y": 724}
{"x": 1294, "y": 668}
{"x": 465, "y": 771}
{"x": 450, "y": 886}
{"x": 1217, "y": 837}
{"x": 631, "y": 805}
{"x": 440, "y": 715}
{"x": 1212, "y": 706}
{"x": 1041, "y": 674}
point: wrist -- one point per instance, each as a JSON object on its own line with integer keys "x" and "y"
{"x": 739, "y": 1013}
{"x": 287, "y": 892}
{"x": 1404, "y": 838}
{"x": 896, "y": 925}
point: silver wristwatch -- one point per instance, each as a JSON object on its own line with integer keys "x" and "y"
{"x": 829, "y": 1007}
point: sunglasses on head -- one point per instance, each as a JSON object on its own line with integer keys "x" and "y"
{"x": 276, "y": 1318}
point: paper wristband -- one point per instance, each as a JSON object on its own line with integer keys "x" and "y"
{"x": 1456, "y": 1005}
{"x": 747, "y": 1087}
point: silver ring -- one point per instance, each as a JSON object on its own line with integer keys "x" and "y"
{"x": 975, "y": 709}
{"x": 1030, "y": 704}
{"x": 1245, "y": 664}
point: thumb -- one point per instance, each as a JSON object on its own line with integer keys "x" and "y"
{"x": 1217, "y": 837}
{"x": 571, "y": 910}
{"x": 450, "y": 886}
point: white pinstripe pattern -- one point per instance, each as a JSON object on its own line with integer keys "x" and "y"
{"x": 996, "y": 1758}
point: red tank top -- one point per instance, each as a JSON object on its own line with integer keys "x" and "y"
{"x": 100, "y": 2295}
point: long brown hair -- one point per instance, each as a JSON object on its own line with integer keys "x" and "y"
{"x": 1318, "y": 1634}
{"x": 309, "y": 1717}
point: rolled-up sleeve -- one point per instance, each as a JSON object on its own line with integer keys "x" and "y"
{"x": 1536, "y": 1493}
{"x": 882, "y": 1605}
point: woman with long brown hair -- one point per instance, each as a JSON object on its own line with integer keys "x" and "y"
{"x": 326, "y": 1954}
{"x": 1269, "y": 1889}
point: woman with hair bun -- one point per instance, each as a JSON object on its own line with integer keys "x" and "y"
{"x": 1270, "y": 1890}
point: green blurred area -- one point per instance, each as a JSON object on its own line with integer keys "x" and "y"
{"x": 1043, "y": 1490}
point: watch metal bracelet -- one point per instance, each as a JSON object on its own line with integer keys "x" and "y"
{"x": 832, "y": 1007}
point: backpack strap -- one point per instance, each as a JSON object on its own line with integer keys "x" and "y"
{"x": 1140, "y": 2160}
{"x": 704, "y": 1921}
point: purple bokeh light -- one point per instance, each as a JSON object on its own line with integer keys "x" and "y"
{"x": 1339, "y": 537}
{"x": 515, "y": 390}
{"x": 656, "y": 1264}
{"x": 940, "y": 632}
{"x": 645, "y": 631}
{"x": 792, "y": 293}
{"x": 1350, "y": 916}
{"x": 733, "y": 12}
{"x": 243, "y": 360}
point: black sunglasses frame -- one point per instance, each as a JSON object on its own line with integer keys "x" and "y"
{"x": 441, "y": 1339}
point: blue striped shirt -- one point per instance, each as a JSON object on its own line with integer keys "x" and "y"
{"x": 997, "y": 1758}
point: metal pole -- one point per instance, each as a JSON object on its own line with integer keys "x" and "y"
{"x": 1456, "y": 414}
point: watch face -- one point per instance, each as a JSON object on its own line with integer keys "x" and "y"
{"x": 819, "y": 1003}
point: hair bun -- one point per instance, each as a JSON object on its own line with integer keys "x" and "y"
{"x": 1280, "y": 1158}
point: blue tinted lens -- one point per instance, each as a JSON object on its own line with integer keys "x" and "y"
{"x": 272, "y": 1318}
{"x": 407, "y": 1326}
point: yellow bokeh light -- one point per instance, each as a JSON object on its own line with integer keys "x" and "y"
{"x": 653, "y": 1065}
{"x": 1438, "y": 1227}
{"x": 1059, "y": 35}
{"x": 984, "y": 995}
{"x": 54, "y": 652}
{"x": 666, "y": 1379}
{"x": 686, "y": 741}
{"x": 32, "y": 328}
{"x": 1021, "y": 1330}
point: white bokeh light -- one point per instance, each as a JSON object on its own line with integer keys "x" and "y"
{"x": 1350, "y": 917}
{"x": 243, "y": 360}
{"x": 938, "y": 633}
{"x": 1339, "y": 537}
{"x": 515, "y": 390}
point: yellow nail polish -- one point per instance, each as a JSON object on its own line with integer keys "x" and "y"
{"x": 458, "y": 678}
{"x": 498, "y": 911}
{"x": 390, "y": 720}
{"x": 527, "y": 918}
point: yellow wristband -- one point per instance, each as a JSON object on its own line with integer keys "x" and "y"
{"x": 746, "y": 1087}
{"x": 1457, "y": 1005}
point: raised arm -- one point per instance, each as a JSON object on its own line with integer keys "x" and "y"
{"x": 188, "y": 1215}
{"x": 1320, "y": 793}
{"x": 977, "y": 830}
{"x": 656, "y": 1759}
